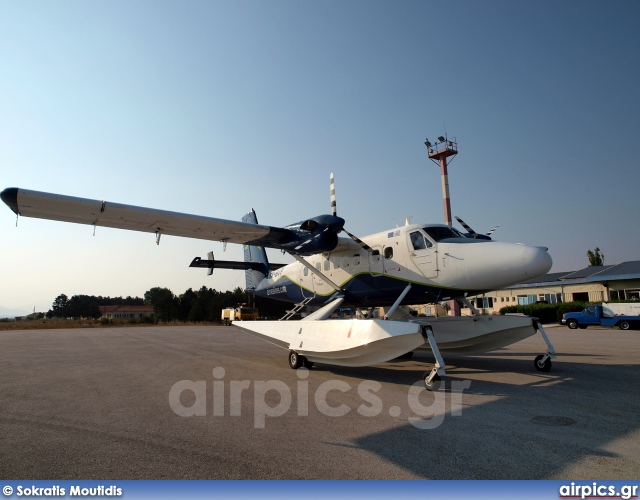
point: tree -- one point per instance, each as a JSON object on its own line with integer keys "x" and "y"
{"x": 186, "y": 301}
{"x": 164, "y": 303}
{"x": 595, "y": 257}
{"x": 155, "y": 295}
{"x": 83, "y": 306}
{"x": 197, "y": 313}
{"x": 60, "y": 307}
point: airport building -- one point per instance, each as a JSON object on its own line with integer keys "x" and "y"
{"x": 591, "y": 284}
{"x": 126, "y": 312}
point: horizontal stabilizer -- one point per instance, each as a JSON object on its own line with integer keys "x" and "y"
{"x": 231, "y": 264}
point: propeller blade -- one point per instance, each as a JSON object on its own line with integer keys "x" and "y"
{"x": 358, "y": 241}
{"x": 489, "y": 233}
{"x": 334, "y": 212}
{"x": 464, "y": 225}
{"x": 332, "y": 191}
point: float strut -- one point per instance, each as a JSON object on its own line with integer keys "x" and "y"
{"x": 397, "y": 302}
{"x": 438, "y": 369}
{"x": 551, "y": 352}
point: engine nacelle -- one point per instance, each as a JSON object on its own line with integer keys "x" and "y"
{"x": 316, "y": 235}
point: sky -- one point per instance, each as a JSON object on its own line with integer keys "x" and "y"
{"x": 216, "y": 107}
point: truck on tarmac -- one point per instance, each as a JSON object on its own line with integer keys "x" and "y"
{"x": 593, "y": 315}
{"x": 240, "y": 313}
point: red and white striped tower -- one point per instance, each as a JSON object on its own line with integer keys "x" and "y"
{"x": 439, "y": 154}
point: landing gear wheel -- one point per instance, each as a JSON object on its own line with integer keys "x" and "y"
{"x": 434, "y": 385}
{"x": 624, "y": 325}
{"x": 307, "y": 364}
{"x": 572, "y": 323}
{"x": 295, "y": 360}
{"x": 540, "y": 366}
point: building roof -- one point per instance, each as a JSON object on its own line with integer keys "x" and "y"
{"x": 629, "y": 267}
{"x": 624, "y": 271}
{"x": 547, "y": 278}
{"x": 585, "y": 272}
{"x": 125, "y": 309}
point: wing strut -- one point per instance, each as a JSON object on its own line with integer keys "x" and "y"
{"x": 316, "y": 272}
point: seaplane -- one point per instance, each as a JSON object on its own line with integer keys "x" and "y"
{"x": 410, "y": 264}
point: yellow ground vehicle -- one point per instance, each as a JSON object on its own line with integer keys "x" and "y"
{"x": 240, "y": 313}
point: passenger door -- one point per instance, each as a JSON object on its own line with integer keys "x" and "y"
{"x": 376, "y": 266}
{"x": 306, "y": 283}
{"x": 423, "y": 253}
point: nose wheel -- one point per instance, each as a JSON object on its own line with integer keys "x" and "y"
{"x": 432, "y": 383}
{"x": 542, "y": 363}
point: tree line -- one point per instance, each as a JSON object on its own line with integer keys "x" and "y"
{"x": 205, "y": 304}
{"x": 87, "y": 306}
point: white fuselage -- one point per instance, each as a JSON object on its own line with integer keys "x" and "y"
{"x": 439, "y": 262}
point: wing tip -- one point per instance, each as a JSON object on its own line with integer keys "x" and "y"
{"x": 10, "y": 197}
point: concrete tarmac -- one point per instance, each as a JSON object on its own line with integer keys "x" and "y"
{"x": 110, "y": 404}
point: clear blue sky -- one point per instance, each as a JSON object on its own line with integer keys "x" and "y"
{"x": 214, "y": 108}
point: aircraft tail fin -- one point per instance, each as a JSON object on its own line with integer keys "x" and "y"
{"x": 255, "y": 254}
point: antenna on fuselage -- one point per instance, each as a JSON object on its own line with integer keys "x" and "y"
{"x": 407, "y": 219}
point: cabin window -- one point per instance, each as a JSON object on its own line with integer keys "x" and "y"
{"x": 327, "y": 265}
{"x": 375, "y": 256}
{"x": 356, "y": 260}
{"x": 318, "y": 266}
{"x": 305, "y": 272}
{"x": 345, "y": 261}
{"x": 388, "y": 253}
{"x": 336, "y": 263}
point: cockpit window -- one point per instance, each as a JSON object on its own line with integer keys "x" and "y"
{"x": 442, "y": 232}
{"x": 417, "y": 240}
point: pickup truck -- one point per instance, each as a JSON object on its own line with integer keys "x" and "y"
{"x": 593, "y": 316}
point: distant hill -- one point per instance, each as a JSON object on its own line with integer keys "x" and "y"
{"x": 12, "y": 313}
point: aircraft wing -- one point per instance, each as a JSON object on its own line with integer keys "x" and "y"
{"x": 108, "y": 214}
{"x": 346, "y": 244}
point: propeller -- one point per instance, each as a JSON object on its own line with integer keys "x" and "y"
{"x": 334, "y": 212}
{"x": 472, "y": 233}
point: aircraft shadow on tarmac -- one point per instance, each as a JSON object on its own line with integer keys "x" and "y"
{"x": 567, "y": 423}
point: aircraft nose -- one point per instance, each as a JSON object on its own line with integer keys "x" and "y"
{"x": 536, "y": 261}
